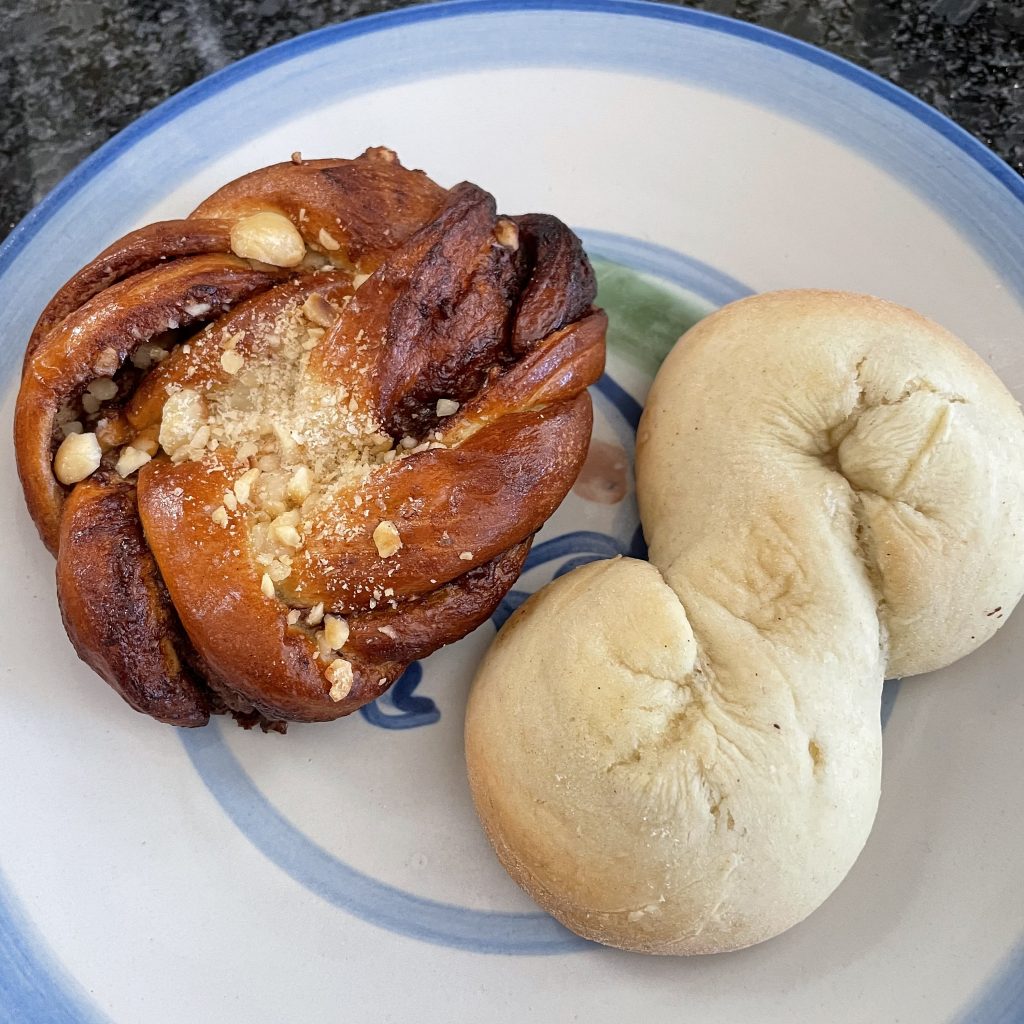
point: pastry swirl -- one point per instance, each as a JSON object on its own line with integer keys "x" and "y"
{"x": 303, "y": 437}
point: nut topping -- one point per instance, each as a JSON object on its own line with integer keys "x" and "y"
{"x": 387, "y": 538}
{"x": 77, "y": 457}
{"x": 268, "y": 237}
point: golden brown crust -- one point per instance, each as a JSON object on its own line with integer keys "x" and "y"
{"x": 238, "y": 631}
{"x": 459, "y": 340}
{"x": 367, "y": 205}
{"x": 115, "y": 607}
{"x": 560, "y": 280}
{"x": 117, "y": 320}
{"x": 137, "y": 251}
{"x": 200, "y": 364}
{"x": 441, "y": 617}
{"x": 437, "y": 311}
{"x": 455, "y": 508}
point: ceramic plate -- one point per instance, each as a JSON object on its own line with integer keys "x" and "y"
{"x": 152, "y": 875}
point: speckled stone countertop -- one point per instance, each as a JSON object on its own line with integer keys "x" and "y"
{"x": 73, "y": 72}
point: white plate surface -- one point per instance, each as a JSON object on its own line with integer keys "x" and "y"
{"x": 150, "y": 875}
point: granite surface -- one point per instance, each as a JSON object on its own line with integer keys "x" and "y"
{"x": 73, "y": 72}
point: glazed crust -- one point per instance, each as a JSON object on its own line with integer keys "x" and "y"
{"x": 111, "y": 325}
{"x": 115, "y": 606}
{"x": 434, "y": 297}
{"x": 137, "y": 251}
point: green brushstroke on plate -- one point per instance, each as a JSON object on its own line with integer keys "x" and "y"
{"x": 645, "y": 316}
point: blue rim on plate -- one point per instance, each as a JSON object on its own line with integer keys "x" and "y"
{"x": 281, "y": 52}
{"x": 33, "y": 985}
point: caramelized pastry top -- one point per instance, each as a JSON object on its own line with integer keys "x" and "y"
{"x": 302, "y": 437}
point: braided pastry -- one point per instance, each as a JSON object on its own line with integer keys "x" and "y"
{"x": 303, "y": 437}
{"x": 684, "y": 755}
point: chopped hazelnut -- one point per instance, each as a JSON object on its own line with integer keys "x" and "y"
{"x": 130, "y": 460}
{"x": 183, "y": 415}
{"x": 285, "y": 439}
{"x": 335, "y": 631}
{"x": 319, "y": 311}
{"x": 243, "y": 485}
{"x": 201, "y": 438}
{"x": 77, "y": 457}
{"x": 231, "y": 361}
{"x": 288, "y": 535}
{"x": 107, "y": 362}
{"x": 507, "y": 234}
{"x": 324, "y": 649}
{"x": 146, "y": 355}
{"x": 339, "y": 675}
{"x": 267, "y": 586}
{"x": 386, "y": 538}
{"x": 278, "y": 570}
{"x": 220, "y": 515}
{"x": 328, "y": 241}
{"x": 268, "y": 237}
{"x": 316, "y": 614}
{"x": 300, "y": 485}
{"x": 102, "y": 389}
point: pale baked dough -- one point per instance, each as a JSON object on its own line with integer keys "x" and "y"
{"x": 683, "y": 756}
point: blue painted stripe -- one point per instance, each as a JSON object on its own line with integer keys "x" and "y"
{"x": 34, "y": 988}
{"x": 697, "y": 277}
{"x": 354, "y": 892}
{"x": 627, "y": 405}
{"x": 985, "y": 207}
{"x": 362, "y": 895}
{"x": 582, "y": 541}
{"x": 1002, "y": 1000}
{"x": 916, "y": 159}
{"x": 412, "y": 711}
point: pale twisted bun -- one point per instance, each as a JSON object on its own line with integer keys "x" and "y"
{"x": 684, "y": 756}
